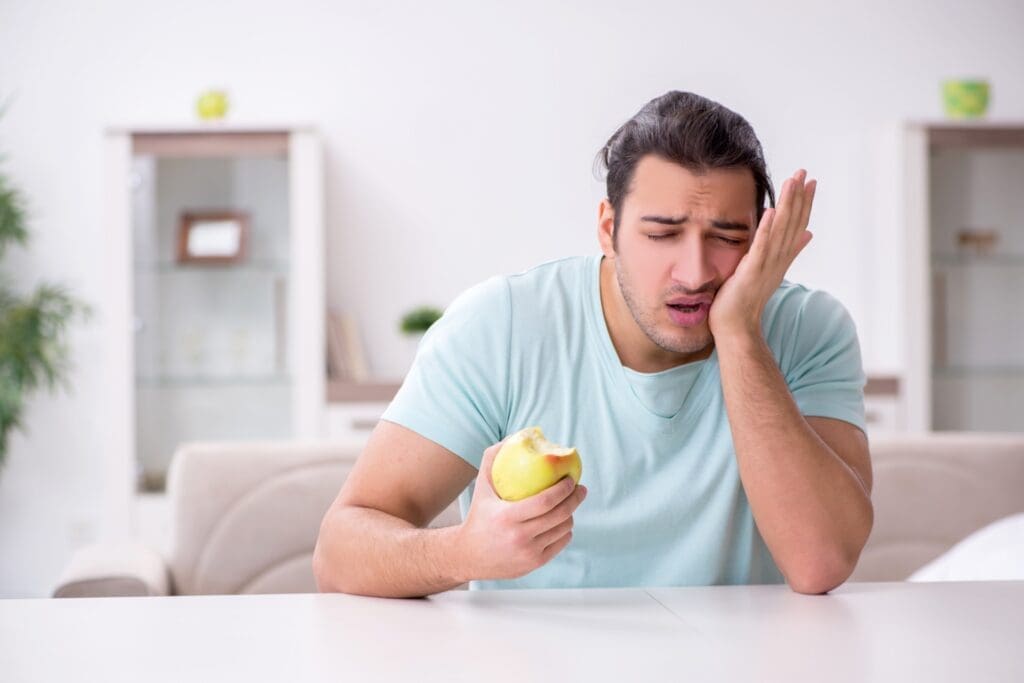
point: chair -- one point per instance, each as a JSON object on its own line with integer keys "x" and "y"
{"x": 244, "y": 519}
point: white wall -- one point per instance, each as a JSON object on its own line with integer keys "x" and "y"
{"x": 460, "y": 139}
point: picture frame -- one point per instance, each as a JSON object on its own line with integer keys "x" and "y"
{"x": 213, "y": 237}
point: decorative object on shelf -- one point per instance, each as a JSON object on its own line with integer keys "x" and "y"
{"x": 33, "y": 327}
{"x": 213, "y": 237}
{"x": 346, "y": 361}
{"x": 982, "y": 242}
{"x": 965, "y": 98}
{"x": 418, "y": 320}
{"x": 212, "y": 105}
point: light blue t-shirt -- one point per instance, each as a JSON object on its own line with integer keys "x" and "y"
{"x": 665, "y": 505}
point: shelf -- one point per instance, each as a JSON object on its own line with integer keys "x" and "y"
{"x": 995, "y": 371}
{"x": 281, "y": 267}
{"x": 995, "y": 260}
{"x": 185, "y": 381}
{"x": 357, "y": 392}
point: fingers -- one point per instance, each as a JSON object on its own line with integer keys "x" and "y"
{"x": 555, "y": 533}
{"x": 805, "y": 215}
{"x": 558, "y": 514}
{"x": 792, "y": 216}
{"x": 555, "y": 548}
{"x": 484, "y": 484}
{"x": 545, "y": 501}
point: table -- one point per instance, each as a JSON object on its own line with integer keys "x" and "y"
{"x": 860, "y": 632}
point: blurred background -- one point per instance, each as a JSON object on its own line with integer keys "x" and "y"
{"x": 361, "y": 160}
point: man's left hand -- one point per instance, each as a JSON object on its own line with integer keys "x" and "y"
{"x": 780, "y": 236}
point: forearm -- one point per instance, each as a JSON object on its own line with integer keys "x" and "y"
{"x": 811, "y": 508}
{"x": 369, "y": 552}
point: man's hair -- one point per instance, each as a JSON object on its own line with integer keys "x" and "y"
{"x": 694, "y": 132}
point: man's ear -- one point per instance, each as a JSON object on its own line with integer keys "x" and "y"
{"x": 605, "y": 227}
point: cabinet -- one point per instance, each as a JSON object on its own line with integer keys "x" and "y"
{"x": 210, "y": 348}
{"x": 965, "y": 287}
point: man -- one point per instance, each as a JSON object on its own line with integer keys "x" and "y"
{"x": 717, "y": 408}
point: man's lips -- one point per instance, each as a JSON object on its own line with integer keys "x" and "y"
{"x": 691, "y": 300}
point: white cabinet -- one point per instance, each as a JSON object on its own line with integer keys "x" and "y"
{"x": 353, "y": 420}
{"x": 224, "y": 347}
{"x": 965, "y": 276}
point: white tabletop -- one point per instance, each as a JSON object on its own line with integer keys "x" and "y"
{"x": 861, "y": 632}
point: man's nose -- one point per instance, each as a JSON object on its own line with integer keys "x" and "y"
{"x": 692, "y": 268}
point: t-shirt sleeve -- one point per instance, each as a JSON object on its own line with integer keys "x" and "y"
{"x": 826, "y": 376}
{"x": 456, "y": 393}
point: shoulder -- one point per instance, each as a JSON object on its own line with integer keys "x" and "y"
{"x": 563, "y": 274}
{"x": 800, "y": 323}
{"x": 797, "y": 309}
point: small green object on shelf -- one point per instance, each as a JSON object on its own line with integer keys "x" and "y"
{"x": 418, "y": 320}
{"x": 965, "y": 98}
{"x": 212, "y": 105}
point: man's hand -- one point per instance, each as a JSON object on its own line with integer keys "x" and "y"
{"x": 505, "y": 540}
{"x": 781, "y": 235}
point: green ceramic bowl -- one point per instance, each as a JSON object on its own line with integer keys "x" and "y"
{"x": 965, "y": 99}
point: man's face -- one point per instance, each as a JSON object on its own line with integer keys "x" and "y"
{"x": 680, "y": 236}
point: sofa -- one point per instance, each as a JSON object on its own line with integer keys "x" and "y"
{"x": 245, "y": 515}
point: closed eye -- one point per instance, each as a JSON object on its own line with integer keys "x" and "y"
{"x": 732, "y": 242}
{"x": 663, "y": 236}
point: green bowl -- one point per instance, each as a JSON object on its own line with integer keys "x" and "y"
{"x": 965, "y": 99}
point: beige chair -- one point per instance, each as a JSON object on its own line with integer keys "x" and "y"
{"x": 246, "y": 515}
{"x": 244, "y": 519}
{"x": 933, "y": 490}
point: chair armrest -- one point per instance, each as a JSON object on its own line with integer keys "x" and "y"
{"x": 114, "y": 569}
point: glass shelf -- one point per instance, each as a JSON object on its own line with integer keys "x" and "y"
{"x": 281, "y": 267}
{"x": 995, "y": 371}
{"x": 972, "y": 260}
{"x": 182, "y": 381}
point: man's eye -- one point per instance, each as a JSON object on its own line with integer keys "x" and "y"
{"x": 663, "y": 236}
{"x": 732, "y": 242}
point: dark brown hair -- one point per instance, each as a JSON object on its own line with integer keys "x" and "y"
{"x": 693, "y": 131}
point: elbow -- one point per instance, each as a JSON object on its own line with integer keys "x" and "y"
{"x": 324, "y": 574}
{"x": 822, "y": 573}
{"x": 320, "y": 573}
{"x": 815, "y": 584}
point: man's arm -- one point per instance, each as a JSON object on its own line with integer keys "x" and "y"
{"x": 808, "y": 480}
{"x": 373, "y": 541}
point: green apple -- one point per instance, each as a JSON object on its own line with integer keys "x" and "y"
{"x": 212, "y": 104}
{"x": 528, "y": 463}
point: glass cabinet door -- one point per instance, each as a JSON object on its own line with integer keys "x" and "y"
{"x": 210, "y": 305}
{"x": 977, "y": 280}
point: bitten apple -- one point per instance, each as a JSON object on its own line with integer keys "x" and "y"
{"x": 528, "y": 463}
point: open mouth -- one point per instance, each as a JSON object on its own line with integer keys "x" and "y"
{"x": 688, "y": 315}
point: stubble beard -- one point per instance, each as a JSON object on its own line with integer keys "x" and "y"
{"x": 685, "y": 340}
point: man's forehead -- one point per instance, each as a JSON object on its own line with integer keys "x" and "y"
{"x": 663, "y": 186}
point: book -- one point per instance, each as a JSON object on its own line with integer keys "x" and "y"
{"x": 345, "y": 357}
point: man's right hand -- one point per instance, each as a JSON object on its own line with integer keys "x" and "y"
{"x": 505, "y": 540}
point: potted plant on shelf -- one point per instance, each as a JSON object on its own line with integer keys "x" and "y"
{"x": 33, "y": 326}
{"x": 416, "y": 322}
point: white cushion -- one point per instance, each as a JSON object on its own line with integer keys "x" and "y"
{"x": 993, "y": 553}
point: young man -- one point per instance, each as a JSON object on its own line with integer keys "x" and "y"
{"x": 717, "y": 408}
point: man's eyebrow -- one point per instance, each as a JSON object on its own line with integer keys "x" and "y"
{"x": 679, "y": 220}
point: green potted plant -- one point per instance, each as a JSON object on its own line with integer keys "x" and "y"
{"x": 33, "y": 326}
{"x": 418, "y": 320}
{"x": 414, "y": 323}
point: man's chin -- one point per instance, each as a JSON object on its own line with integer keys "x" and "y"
{"x": 694, "y": 340}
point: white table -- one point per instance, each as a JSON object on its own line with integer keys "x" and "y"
{"x": 861, "y": 632}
